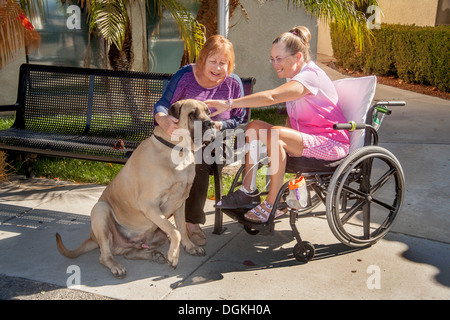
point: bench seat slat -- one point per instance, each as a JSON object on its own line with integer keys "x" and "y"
{"x": 49, "y": 143}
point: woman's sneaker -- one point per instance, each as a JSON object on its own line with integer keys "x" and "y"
{"x": 239, "y": 200}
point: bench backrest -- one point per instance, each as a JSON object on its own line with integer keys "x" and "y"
{"x": 81, "y": 101}
{"x": 248, "y": 84}
{"x": 97, "y": 102}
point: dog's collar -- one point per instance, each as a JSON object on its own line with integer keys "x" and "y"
{"x": 167, "y": 143}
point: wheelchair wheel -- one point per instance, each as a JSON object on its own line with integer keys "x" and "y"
{"x": 305, "y": 252}
{"x": 250, "y": 230}
{"x": 365, "y": 195}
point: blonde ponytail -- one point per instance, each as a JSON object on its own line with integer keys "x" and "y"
{"x": 296, "y": 40}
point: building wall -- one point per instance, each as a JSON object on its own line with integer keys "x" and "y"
{"x": 324, "y": 46}
{"x": 418, "y": 12}
{"x": 9, "y": 81}
{"x": 252, "y": 40}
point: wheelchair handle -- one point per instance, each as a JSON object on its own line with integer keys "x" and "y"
{"x": 351, "y": 126}
{"x": 391, "y": 103}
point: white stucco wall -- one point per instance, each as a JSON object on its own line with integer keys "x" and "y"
{"x": 252, "y": 39}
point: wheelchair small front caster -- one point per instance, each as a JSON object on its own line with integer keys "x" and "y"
{"x": 304, "y": 252}
{"x": 251, "y": 231}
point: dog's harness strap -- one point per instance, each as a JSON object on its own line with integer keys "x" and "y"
{"x": 167, "y": 143}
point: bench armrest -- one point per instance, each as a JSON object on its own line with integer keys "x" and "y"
{"x": 11, "y": 107}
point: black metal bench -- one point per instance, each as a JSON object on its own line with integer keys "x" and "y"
{"x": 89, "y": 114}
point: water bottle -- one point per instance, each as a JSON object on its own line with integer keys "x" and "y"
{"x": 298, "y": 196}
{"x": 377, "y": 118}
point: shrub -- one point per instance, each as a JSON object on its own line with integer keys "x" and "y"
{"x": 414, "y": 54}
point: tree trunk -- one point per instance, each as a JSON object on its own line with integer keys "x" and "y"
{"x": 207, "y": 16}
{"x": 122, "y": 59}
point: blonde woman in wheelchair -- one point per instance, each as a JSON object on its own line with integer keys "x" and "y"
{"x": 312, "y": 106}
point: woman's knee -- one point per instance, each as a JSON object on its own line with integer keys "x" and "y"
{"x": 257, "y": 130}
{"x": 258, "y": 125}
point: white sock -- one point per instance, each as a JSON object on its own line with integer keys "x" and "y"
{"x": 253, "y": 150}
{"x": 243, "y": 189}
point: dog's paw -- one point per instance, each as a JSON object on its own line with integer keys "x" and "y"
{"x": 196, "y": 251}
{"x": 119, "y": 271}
{"x": 158, "y": 257}
{"x": 172, "y": 263}
{"x": 172, "y": 258}
{"x": 116, "y": 269}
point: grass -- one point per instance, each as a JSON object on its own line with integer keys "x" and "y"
{"x": 83, "y": 171}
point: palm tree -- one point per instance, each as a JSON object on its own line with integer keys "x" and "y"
{"x": 110, "y": 18}
{"x": 16, "y": 32}
{"x": 347, "y": 13}
{"x": 207, "y": 17}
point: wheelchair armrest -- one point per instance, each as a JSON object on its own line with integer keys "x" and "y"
{"x": 351, "y": 126}
{"x": 391, "y": 103}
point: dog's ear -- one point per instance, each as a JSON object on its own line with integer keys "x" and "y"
{"x": 175, "y": 109}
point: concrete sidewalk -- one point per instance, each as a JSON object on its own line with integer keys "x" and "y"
{"x": 411, "y": 262}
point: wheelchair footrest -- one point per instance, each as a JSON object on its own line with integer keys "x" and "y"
{"x": 238, "y": 215}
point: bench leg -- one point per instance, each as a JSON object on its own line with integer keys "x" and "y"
{"x": 27, "y": 165}
{"x": 26, "y": 160}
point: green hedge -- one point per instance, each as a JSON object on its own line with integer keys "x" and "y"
{"x": 414, "y": 54}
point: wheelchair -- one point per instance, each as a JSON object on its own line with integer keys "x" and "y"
{"x": 362, "y": 193}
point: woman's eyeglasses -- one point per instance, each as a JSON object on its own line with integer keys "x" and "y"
{"x": 278, "y": 60}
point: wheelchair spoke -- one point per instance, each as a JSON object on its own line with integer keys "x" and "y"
{"x": 358, "y": 193}
{"x": 366, "y": 223}
{"x": 382, "y": 227}
{"x": 382, "y": 181}
{"x": 384, "y": 205}
{"x": 352, "y": 211}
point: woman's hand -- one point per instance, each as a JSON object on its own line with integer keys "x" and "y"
{"x": 220, "y": 106}
{"x": 168, "y": 123}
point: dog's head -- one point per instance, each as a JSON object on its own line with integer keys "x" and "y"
{"x": 194, "y": 116}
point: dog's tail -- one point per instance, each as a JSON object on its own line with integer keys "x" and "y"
{"x": 86, "y": 246}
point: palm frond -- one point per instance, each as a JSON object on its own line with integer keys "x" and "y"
{"x": 16, "y": 32}
{"x": 111, "y": 19}
{"x": 190, "y": 30}
{"x": 11, "y": 37}
{"x": 34, "y": 8}
{"x": 343, "y": 12}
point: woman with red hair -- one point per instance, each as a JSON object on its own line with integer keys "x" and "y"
{"x": 210, "y": 77}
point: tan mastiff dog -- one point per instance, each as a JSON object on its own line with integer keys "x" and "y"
{"x": 131, "y": 216}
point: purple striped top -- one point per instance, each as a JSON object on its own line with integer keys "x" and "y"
{"x": 183, "y": 85}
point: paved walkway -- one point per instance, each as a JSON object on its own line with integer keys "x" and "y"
{"x": 411, "y": 262}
